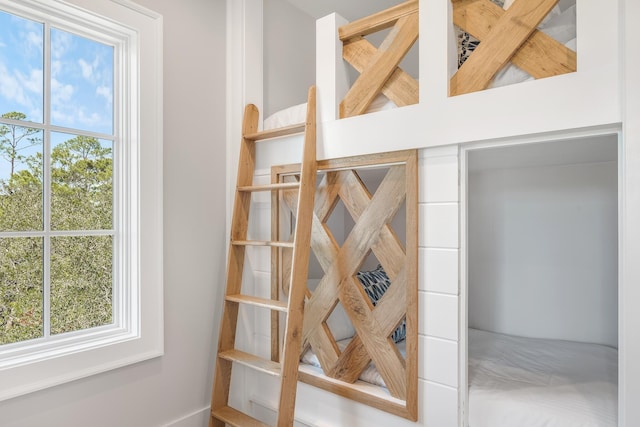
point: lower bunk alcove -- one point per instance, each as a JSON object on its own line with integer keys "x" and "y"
{"x": 542, "y": 284}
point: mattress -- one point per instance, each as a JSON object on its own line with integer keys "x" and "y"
{"x": 297, "y": 113}
{"x": 526, "y": 382}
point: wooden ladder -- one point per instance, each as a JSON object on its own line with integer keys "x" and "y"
{"x": 287, "y": 368}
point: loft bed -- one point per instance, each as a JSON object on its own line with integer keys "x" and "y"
{"x": 360, "y": 327}
{"x": 498, "y": 43}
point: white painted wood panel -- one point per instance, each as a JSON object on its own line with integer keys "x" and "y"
{"x": 439, "y": 225}
{"x": 438, "y": 315}
{"x": 440, "y": 361}
{"x": 438, "y": 270}
{"x": 438, "y": 179}
{"x": 440, "y": 405}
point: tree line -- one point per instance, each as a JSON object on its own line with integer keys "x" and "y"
{"x": 81, "y": 198}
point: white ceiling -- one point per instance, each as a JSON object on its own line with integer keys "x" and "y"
{"x": 349, "y": 9}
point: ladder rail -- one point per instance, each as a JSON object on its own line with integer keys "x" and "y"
{"x": 300, "y": 268}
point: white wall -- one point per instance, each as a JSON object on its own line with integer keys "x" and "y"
{"x": 177, "y": 385}
{"x": 289, "y": 55}
{"x": 543, "y": 251}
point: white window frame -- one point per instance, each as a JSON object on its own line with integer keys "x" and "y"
{"x": 137, "y": 330}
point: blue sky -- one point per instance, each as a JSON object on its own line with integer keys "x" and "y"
{"x": 81, "y": 78}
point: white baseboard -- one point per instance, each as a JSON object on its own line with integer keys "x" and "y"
{"x": 198, "y": 418}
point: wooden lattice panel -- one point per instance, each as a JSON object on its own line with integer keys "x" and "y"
{"x": 507, "y": 36}
{"x": 379, "y": 67}
{"x": 372, "y": 213}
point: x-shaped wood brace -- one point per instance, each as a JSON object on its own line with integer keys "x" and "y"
{"x": 373, "y": 325}
{"x": 507, "y": 36}
{"x": 379, "y": 70}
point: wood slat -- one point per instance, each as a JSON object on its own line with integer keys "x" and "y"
{"x": 541, "y": 55}
{"x": 392, "y": 50}
{"x": 378, "y": 21}
{"x": 388, "y": 249}
{"x": 388, "y": 313}
{"x": 400, "y": 88}
{"x": 252, "y": 361}
{"x": 275, "y": 133}
{"x": 270, "y": 187}
{"x": 258, "y": 302}
{"x": 509, "y": 33}
{"x": 262, "y": 243}
{"x": 382, "y": 349}
{"x": 299, "y": 270}
{"x": 235, "y": 418}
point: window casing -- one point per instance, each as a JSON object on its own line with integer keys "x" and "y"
{"x": 136, "y": 228}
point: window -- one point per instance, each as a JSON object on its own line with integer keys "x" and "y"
{"x": 78, "y": 148}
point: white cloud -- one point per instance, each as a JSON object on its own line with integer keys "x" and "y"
{"x": 32, "y": 82}
{"x": 56, "y": 67}
{"x": 59, "y": 117}
{"x": 60, "y": 43}
{"x": 34, "y": 40}
{"x": 106, "y": 92}
{"x": 60, "y": 92}
{"x": 87, "y": 69}
{"x": 11, "y": 89}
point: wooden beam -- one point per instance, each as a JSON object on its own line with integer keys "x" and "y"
{"x": 540, "y": 55}
{"x": 509, "y": 33}
{"x": 401, "y": 88}
{"x": 392, "y": 50}
{"x": 378, "y": 21}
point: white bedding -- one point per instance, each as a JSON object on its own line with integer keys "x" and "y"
{"x": 525, "y": 382}
{"x": 369, "y": 375}
{"x": 297, "y": 113}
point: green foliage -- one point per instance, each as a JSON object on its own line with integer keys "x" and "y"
{"x": 20, "y": 289}
{"x": 81, "y": 266}
{"x": 14, "y": 138}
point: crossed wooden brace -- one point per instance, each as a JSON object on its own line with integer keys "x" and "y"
{"x": 378, "y": 67}
{"x": 507, "y": 36}
{"x": 371, "y": 232}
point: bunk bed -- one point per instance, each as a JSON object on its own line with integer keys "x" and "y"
{"x": 544, "y": 45}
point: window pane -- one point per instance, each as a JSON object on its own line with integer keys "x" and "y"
{"x": 81, "y": 282}
{"x": 21, "y": 63}
{"x": 20, "y": 289}
{"x": 81, "y": 83}
{"x": 81, "y": 183}
{"x": 20, "y": 178}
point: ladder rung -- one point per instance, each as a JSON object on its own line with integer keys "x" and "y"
{"x": 235, "y": 418}
{"x": 252, "y": 361}
{"x": 262, "y": 243}
{"x": 271, "y": 187}
{"x": 259, "y": 302}
{"x": 276, "y": 133}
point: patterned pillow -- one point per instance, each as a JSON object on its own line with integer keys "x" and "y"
{"x": 375, "y": 284}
